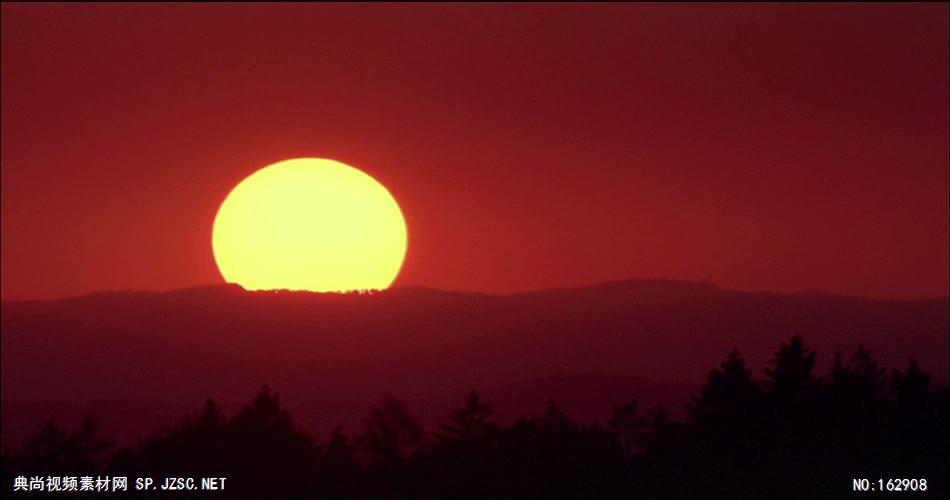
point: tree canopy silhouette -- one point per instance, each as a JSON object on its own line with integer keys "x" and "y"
{"x": 791, "y": 433}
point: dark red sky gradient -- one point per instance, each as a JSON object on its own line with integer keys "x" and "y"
{"x": 765, "y": 147}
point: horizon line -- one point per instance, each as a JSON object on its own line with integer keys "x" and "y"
{"x": 616, "y": 282}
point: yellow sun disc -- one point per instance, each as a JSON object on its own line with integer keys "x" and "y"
{"x": 309, "y": 224}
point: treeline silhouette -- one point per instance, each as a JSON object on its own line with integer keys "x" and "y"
{"x": 794, "y": 433}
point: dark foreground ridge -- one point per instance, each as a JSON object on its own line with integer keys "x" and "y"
{"x": 796, "y": 432}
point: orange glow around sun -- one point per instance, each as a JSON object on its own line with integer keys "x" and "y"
{"x": 309, "y": 224}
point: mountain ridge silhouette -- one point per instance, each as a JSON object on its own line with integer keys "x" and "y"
{"x": 630, "y": 282}
{"x": 423, "y": 344}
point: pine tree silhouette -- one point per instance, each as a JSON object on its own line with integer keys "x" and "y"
{"x": 391, "y": 434}
{"x": 52, "y": 450}
{"x": 791, "y": 376}
{"x": 338, "y": 452}
{"x": 861, "y": 380}
{"x": 628, "y": 427}
{"x": 729, "y": 391}
{"x": 337, "y": 470}
{"x": 469, "y": 424}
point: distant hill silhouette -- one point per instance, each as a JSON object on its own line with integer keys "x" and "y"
{"x": 346, "y": 350}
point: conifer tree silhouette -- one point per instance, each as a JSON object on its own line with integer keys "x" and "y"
{"x": 912, "y": 387}
{"x": 861, "y": 381}
{"x": 791, "y": 376}
{"x": 337, "y": 454}
{"x": 628, "y": 426}
{"x": 52, "y": 450}
{"x": 391, "y": 434}
{"x": 469, "y": 424}
{"x": 729, "y": 391}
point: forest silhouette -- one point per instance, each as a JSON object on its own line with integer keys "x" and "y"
{"x": 794, "y": 432}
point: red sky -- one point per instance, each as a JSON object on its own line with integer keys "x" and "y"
{"x": 762, "y": 147}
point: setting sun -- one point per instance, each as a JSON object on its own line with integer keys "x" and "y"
{"x": 309, "y": 224}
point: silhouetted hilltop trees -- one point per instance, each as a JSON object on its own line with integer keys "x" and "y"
{"x": 53, "y": 450}
{"x": 391, "y": 435}
{"x": 468, "y": 426}
{"x": 795, "y": 432}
